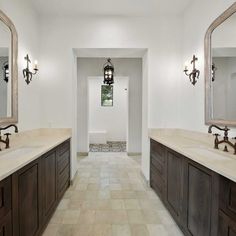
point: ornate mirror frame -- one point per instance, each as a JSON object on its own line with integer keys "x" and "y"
{"x": 208, "y": 62}
{"x": 14, "y": 71}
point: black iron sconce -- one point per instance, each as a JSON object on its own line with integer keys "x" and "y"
{"x": 194, "y": 75}
{"x": 6, "y": 71}
{"x": 213, "y": 72}
{"x": 108, "y": 70}
{"x": 27, "y": 73}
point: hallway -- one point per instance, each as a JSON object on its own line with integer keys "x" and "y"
{"x": 109, "y": 198}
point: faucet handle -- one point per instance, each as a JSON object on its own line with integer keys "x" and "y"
{"x": 216, "y": 135}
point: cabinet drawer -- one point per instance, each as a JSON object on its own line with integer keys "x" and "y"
{"x": 64, "y": 177}
{"x": 158, "y": 151}
{"x": 63, "y": 181}
{"x": 5, "y": 196}
{"x": 159, "y": 167}
{"x": 64, "y": 147}
{"x": 228, "y": 197}
{"x": 62, "y": 161}
{"x": 6, "y": 225}
{"x": 157, "y": 182}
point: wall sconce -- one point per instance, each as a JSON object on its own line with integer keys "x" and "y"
{"x": 213, "y": 72}
{"x": 108, "y": 70}
{"x": 194, "y": 75}
{"x": 27, "y": 73}
{"x": 6, "y": 71}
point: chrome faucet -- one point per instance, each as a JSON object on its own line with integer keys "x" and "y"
{"x": 225, "y": 139}
{"x": 7, "y": 140}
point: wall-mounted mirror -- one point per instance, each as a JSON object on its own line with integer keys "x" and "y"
{"x": 8, "y": 71}
{"x": 220, "y": 69}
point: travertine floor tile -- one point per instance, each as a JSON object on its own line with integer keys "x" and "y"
{"x": 102, "y": 230}
{"x": 132, "y": 204}
{"x": 71, "y": 217}
{"x": 83, "y": 230}
{"x": 157, "y": 230}
{"x": 121, "y": 230}
{"x": 135, "y": 217}
{"x": 103, "y": 217}
{"x": 86, "y": 217}
{"x": 110, "y": 198}
{"x": 117, "y": 204}
{"x": 139, "y": 230}
{"x": 119, "y": 217}
{"x": 51, "y": 230}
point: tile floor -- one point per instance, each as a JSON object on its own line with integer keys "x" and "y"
{"x": 108, "y": 147}
{"x": 110, "y": 198}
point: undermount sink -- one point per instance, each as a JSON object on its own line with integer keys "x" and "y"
{"x": 21, "y": 151}
{"x": 208, "y": 153}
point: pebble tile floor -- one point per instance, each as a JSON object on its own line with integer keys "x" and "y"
{"x": 110, "y": 198}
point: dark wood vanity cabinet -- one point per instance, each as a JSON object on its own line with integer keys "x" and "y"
{"x": 29, "y": 197}
{"x": 158, "y": 165}
{"x": 191, "y": 193}
{"x": 200, "y": 200}
{"x": 174, "y": 184}
{"x": 49, "y": 183}
{"x": 6, "y": 207}
{"x": 227, "y": 213}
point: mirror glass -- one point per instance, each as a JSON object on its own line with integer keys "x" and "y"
{"x": 5, "y": 72}
{"x": 223, "y": 68}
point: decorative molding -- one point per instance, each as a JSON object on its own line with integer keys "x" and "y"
{"x": 14, "y": 71}
{"x": 208, "y": 68}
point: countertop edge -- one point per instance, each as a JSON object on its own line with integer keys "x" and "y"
{"x": 35, "y": 155}
{"x": 191, "y": 157}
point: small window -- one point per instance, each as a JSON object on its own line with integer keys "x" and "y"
{"x": 107, "y": 95}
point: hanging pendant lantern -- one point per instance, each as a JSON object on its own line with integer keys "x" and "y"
{"x": 108, "y": 70}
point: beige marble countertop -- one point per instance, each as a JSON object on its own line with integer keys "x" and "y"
{"x": 28, "y": 146}
{"x": 198, "y": 147}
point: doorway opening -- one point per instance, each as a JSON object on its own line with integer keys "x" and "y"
{"x": 108, "y": 115}
{"x": 111, "y": 127}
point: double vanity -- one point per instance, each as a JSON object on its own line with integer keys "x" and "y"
{"x": 34, "y": 175}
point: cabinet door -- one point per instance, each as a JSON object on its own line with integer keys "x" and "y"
{"x": 227, "y": 227}
{"x": 6, "y": 225}
{"x": 27, "y": 200}
{"x": 175, "y": 184}
{"x": 201, "y": 198}
{"x": 49, "y": 191}
{"x": 5, "y": 196}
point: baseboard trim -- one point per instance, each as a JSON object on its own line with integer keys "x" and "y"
{"x": 134, "y": 154}
{"x": 144, "y": 178}
{"x": 83, "y": 154}
{"x": 72, "y": 181}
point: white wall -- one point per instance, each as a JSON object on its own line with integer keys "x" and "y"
{"x": 113, "y": 119}
{"x": 195, "y": 27}
{"x": 27, "y": 26}
{"x": 128, "y": 67}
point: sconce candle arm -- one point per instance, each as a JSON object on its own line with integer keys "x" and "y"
{"x": 195, "y": 74}
{"x": 27, "y": 73}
